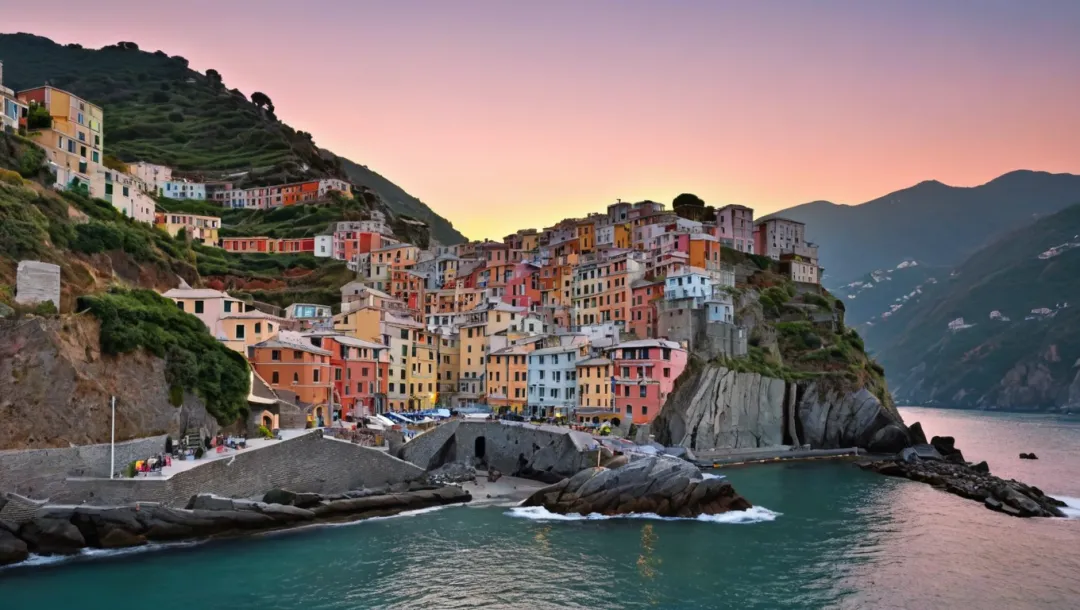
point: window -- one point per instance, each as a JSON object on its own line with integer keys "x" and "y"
{"x": 315, "y": 375}
{"x": 643, "y": 391}
{"x": 95, "y": 157}
{"x": 297, "y": 355}
{"x": 629, "y": 410}
{"x": 295, "y": 378}
{"x": 626, "y": 390}
{"x": 274, "y": 379}
{"x": 240, "y": 329}
{"x": 228, "y": 307}
{"x": 198, "y": 307}
{"x": 180, "y": 304}
{"x": 644, "y": 410}
{"x": 275, "y": 354}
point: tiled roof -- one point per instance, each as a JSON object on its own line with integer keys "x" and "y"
{"x": 276, "y": 344}
{"x": 195, "y": 293}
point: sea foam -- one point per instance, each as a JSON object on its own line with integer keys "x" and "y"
{"x": 756, "y": 514}
{"x": 1071, "y": 508}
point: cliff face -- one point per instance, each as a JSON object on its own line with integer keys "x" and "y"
{"x": 717, "y": 408}
{"x": 55, "y": 387}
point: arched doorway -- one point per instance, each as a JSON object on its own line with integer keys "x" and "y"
{"x": 480, "y": 447}
{"x": 268, "y": 421}
{"x": 615, "y": 422}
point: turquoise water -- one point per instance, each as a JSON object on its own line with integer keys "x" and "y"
{"x": 835, "y": 537}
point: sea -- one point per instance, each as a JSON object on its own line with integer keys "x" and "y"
{"x": 822, "y": 534}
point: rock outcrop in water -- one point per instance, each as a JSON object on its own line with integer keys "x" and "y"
{"x": 718, "y": 408}
{"x": 664, "y": 486}
{"x": 972, "y": 481}
{"x": 61, "y": 530}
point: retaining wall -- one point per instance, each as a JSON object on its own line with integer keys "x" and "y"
{"x": 41, "y": 473}
{"x": 308, "y": 463}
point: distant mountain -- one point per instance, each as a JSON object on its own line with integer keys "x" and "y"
{"x": 158, "y": 110}
{"x": 879, "y": 294}
{"x": 1002, "y": 331}
{"x": 932, "y": 223}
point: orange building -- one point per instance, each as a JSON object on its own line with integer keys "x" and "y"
{"x": 300, "y": 368}
{"x": 508, "y": 378}
{"x": 586, "y": 235}
{"x": 704, "y": 251}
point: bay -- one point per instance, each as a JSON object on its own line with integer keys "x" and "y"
{"x": 828, "y": 535}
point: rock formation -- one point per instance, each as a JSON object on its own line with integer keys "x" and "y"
{"x": 972, "y": 481}
{"x": 665, "y": 486}
{"x": 67, "y": 529}
{"x": 55, "y": 386}
{"x": 717, "y": 408}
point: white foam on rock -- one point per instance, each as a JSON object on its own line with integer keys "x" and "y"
{"x": 756, "y": 514}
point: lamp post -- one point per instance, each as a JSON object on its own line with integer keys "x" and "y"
{"x": 112, "y": 442}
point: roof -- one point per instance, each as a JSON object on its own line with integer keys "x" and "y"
{"x": 394, "y": 247}
{"x": 513, "y": 350}
{"x": 556, "y": 350}
{"x": 643, "y": 283}
{"x": 594, "y": 362}
{"x": 349, "y": 341}
{"x": 259, "y": 391}
{"x": 250, "y": 315}
{"x": 195, "y": 293}
{"x": 276, "y": 344}
{"x": 647, "y": 343}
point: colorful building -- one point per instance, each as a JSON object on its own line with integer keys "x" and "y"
{"x": 74, "y": 139}
{"x": 644, "y": 375}
{"x": 360, "y": 372}
{"x": 11, "y": 109}
{"x": 594, "y": 384}
{"x": 643, "y": 312}
{"x": 300, "y": 368}
{"x": 552, "y": 380}
{"x": 182, "y": 189}
{"x": 507, "y": 378}
{"x": 203, "y": 229}
{"x": 735, "y": 227}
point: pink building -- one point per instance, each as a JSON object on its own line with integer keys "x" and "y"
{"x": 735, "y": 227}
{"x": 523, "y": 288}
{"x": 645, "y": 373}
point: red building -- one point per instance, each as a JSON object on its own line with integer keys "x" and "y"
{"x": 523, "y": 289}
{"x": 360, "y": 370}
{"x": 645, "y": 373}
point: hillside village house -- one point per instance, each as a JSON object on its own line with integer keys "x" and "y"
{"x": 595, "y": 402}
{"x": 360, "y": 372}
{"x": 208, "y": 305}
{"x": 735, "y": 227}
{"x": 74, "y": 142}
{"x": 242, "y": 329}
{"x": 552, "y": 380}
{"x": 182, "y": 189}
{"x": 123, "y": 192}
{"x": 203, "y": 229}
{"x": 11, "y": 109}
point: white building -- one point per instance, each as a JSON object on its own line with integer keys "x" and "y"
{"x": 777, "y": 236}
{"x": 324, "y": 246}
{"x": 182, "y": 189}
{"x": 149, "y": 173}
{"x": 552, "y": 380}
{"x": 123, "y": 192}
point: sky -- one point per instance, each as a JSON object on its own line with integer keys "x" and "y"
{"x": 507, "y": 114}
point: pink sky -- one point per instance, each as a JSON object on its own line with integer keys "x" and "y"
{"x": 503, "y": 115}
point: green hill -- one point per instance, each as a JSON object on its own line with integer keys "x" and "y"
{"x": 1022, "y": 357}
{"x": 159, "y": 110}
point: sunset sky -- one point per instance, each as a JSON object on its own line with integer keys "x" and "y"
{"x": 503, "y": 114}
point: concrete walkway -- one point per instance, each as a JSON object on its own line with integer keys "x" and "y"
{"x": 253, "y": 444}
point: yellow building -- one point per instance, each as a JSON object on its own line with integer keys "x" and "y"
{"x": 594, "y": 383}
{"x": 75, "y": 140}
{"x": 361, "y": 323}
{"x": 203, "y": 229}
{"x": 449, "y": 369}
{"x": 421, "y": 371}
{"x": 243, "y": 329}
{"x": 624, "y": 236}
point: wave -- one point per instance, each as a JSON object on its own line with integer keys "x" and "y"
{"x": 90, "y": 554}
{"x": 756, "y": 514}
{"x": 1071, "y": 508}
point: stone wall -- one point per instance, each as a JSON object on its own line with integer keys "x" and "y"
{"x": 691, "y": 327}
{"x": 308, "y": 463}
{"x": 37, "y": 282}
{"x": 41, "y": 473}
{"x": 514, "y": 448}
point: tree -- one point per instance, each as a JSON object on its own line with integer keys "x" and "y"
{"x": 214, "y": 77}
{"x": 687, "y": 199}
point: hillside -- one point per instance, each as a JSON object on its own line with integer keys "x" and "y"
{"x": 158, "y": 110}
{"x": 931, "y": 223}
{"x": 879, "y": 294}
{"x": 1015, "y": 340}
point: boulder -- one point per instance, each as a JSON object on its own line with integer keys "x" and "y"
{"x": 304, "y": 500}
{"x": 12, "y": 549}
{"x": 946, "y": 446}
{"x": 888, "y": 439}
{"x": 280, "y": 496}
{"x": 1028, "y": 456}
{"x": 915, "y": 431}
{"x": 666, "y": 486}
{"x": 47, "y": 536}
{"x": 209, "y": 502}
{"x": 617, "y": 462}
{"x": 116, "y": 537}
{"x": 982, "y": 467}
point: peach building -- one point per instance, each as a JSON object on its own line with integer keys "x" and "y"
{"x": 644, "y": 374}
{"x": 300, "y": 368}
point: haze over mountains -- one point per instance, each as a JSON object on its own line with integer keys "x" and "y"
{"x": 932, "y": 223}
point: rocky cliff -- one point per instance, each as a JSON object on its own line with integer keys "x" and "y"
{"x": 55, "y": 388}
{"x": 714, "y": 407}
